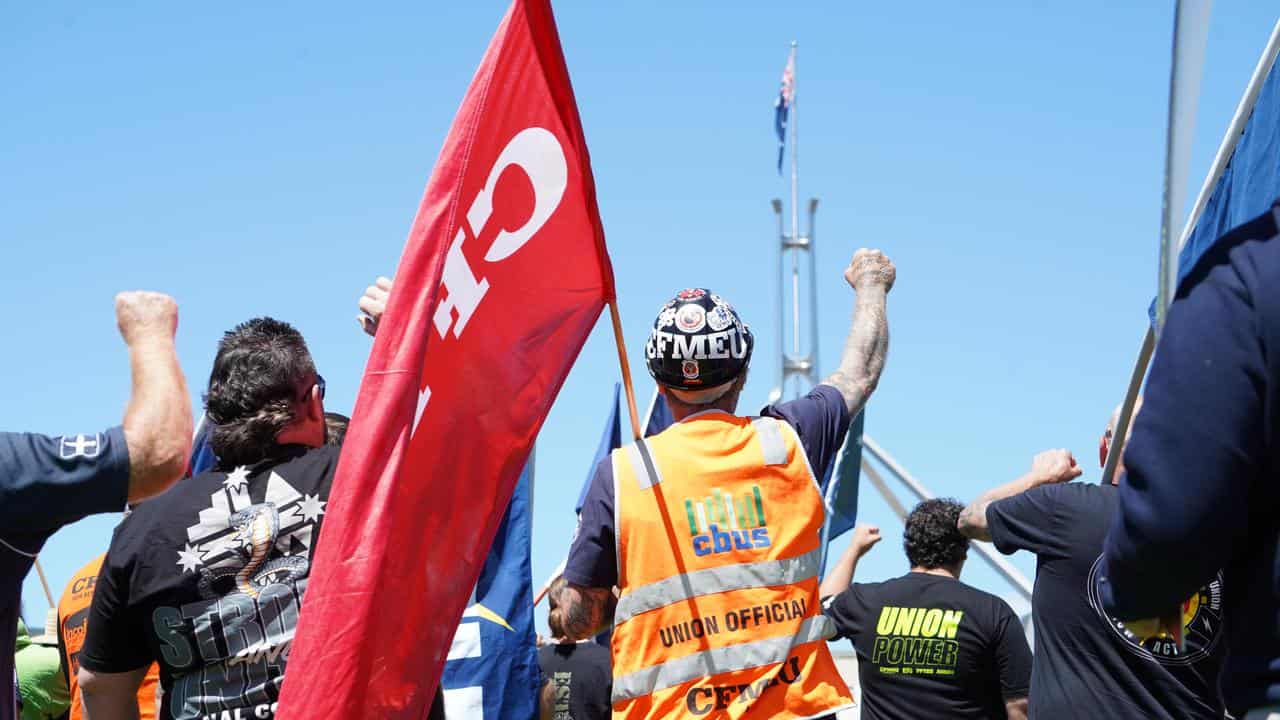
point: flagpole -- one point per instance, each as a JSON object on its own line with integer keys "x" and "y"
{"x": 1190, "y": 33}
{"x": 626, "y": 368}
{"x": 44, "y": 583}
{"x": 794, "y": 122}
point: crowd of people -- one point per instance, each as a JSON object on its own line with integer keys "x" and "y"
{"x": 699, "y": 548}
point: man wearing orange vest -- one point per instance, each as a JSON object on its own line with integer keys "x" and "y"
{"x": 73, "y": 620}
{"x": 711, "y": 530}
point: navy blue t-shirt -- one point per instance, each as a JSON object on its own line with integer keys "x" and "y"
{"x": 45, "y": 483}
{"x": 820, "y": 419}
{"x": 1088, "y": 665}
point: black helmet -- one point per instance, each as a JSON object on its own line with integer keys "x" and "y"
{"x": 698, "y": 342}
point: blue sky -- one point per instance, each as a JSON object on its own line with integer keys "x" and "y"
{"x": 268, "y": 160}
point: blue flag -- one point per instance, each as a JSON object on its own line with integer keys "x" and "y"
{"x": 1248, "y": 185}
{"x": 841, "y": 489}
{"x": 610, "y": 440}
{"x": 492, "y": 672}
{"x": 202, "y": 457}
{"x": 659, "y": 416}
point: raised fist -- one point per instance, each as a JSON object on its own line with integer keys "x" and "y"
{"x": 870, "y": 268}
{"x": 373, "y": 303}
{"x": 145, "y": 315}
{"x": 864, "y": 537}
{"x": 1055, "y": 466}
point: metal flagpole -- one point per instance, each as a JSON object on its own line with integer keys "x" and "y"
{"x": 881, "y": 487}
{"x": 794, "y": 121}
{"x": 1221, "y": 160}
{"x": 1002, "y": 566}
{"x": 1190, "y": 33}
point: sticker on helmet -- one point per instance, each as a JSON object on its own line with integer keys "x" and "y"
{"x": 690, "y": 293}
{"x": 691, "y": 318}
{"x": 667, "y": 317}
{"x": 690, "y": 369}
{"x": 719, "y": 318}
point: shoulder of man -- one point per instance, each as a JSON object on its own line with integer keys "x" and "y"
{"x": 1052, "y": 498}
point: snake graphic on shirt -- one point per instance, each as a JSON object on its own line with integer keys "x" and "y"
{"x": 256, "y": 529}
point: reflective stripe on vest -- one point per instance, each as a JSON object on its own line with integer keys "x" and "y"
{"x": 642, "y": 464}
{"x": 769, "y": 651}
{"x": 766, "y": 573}
{"x": 770, "y": 436}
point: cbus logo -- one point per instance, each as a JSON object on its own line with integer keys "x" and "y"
{"x": 720, "y": 523}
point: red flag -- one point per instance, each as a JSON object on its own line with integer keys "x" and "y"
{"x": 504, "y": 275}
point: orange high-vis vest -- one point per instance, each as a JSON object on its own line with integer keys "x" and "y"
{"x": 73, "y": 621}
{"x": 718, "y": 524}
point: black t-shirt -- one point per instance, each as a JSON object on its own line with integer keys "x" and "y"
{"x": 1088, "y": 665}
{"x": 207, "y": 580}
{"x": 582, "y": 678}
{"x": 932, "y": 647}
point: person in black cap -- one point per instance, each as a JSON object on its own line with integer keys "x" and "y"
{"x": 761, "y": 519}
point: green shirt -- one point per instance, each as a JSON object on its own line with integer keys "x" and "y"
{"x": 41, "y": 684}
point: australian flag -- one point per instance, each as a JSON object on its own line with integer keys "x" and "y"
{"x": 492, "y": 669}
{"x": 783, "y": 105}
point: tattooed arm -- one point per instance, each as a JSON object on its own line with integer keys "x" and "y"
{"x": 584, "y": 611}
{"x": 871, "y": 275}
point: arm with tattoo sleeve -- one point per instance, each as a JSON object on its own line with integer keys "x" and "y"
{"x": 584, "y": 611}
{"x": 871, "y": 275}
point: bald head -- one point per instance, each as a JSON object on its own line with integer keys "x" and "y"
{"x": 1105, "y": 446}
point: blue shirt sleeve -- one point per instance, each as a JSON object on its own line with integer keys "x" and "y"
{"x": 821, "y": 420}
{"x": 48, "y": 482}
{"x": 1199, "y": 449}
{"x": 593, "y": 559}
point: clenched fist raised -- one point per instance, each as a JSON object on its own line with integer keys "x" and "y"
{"x": 870, "y": 268}
{"x": 145, "y": 315}
{"x": 1055, "y": 466}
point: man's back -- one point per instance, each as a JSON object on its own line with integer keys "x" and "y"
{"x": 1088, "y": 665}
{"x": 580, "y": 677}
{"x": 207, "y": 580}
{"x": 930, "y": 646}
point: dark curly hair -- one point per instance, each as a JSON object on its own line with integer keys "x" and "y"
{"x": 931, "y": 539}
{"x": 257, "y": 376}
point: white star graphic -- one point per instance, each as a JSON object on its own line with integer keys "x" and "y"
{"x": 189, "y": 559}
{"x": 237, "y": 478}
{"x": 312, "y": 507}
